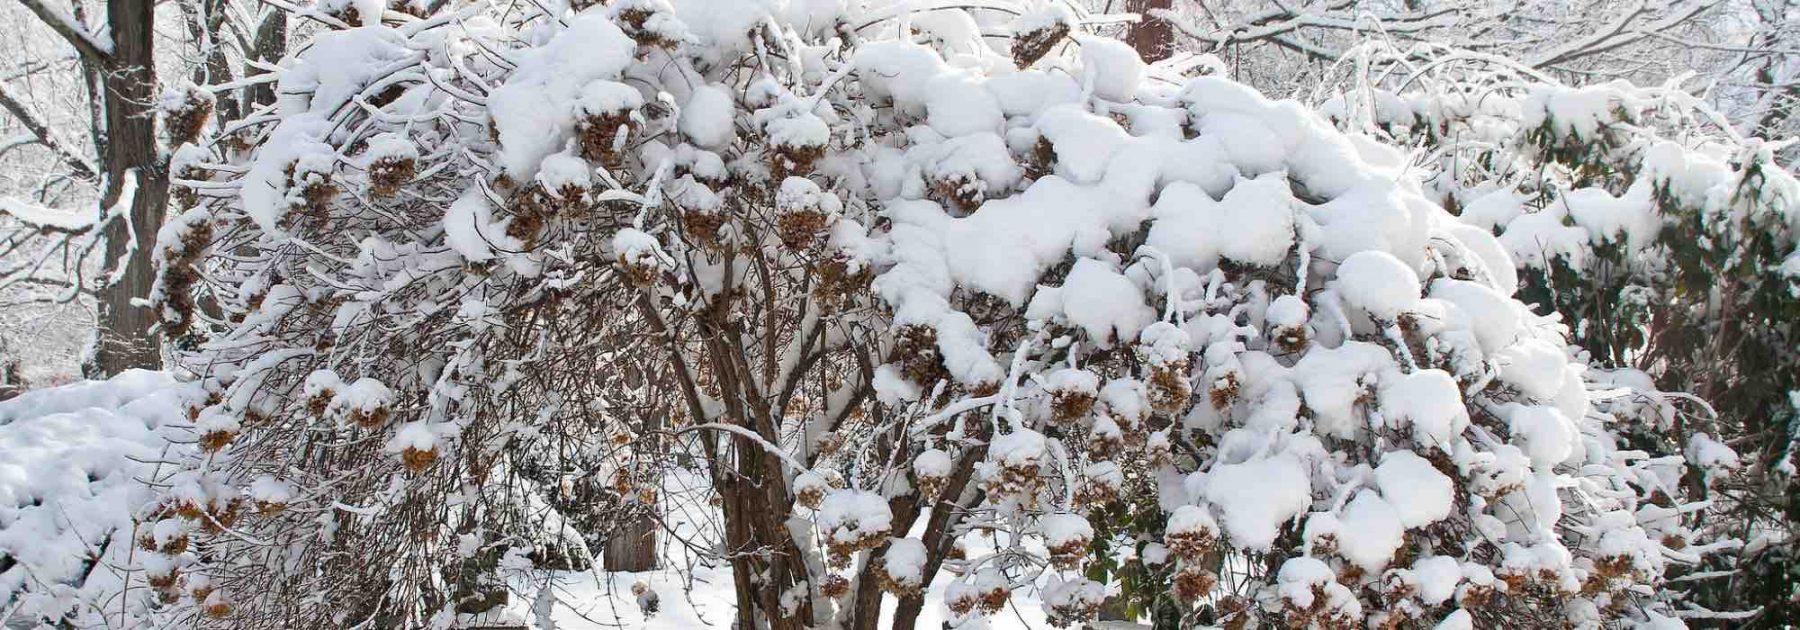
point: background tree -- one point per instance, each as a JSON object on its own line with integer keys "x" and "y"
{"x": 76, "y": 129}
{"x": 120, "y": 73}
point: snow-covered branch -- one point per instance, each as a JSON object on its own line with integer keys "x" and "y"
{"x": 92, "y": 47}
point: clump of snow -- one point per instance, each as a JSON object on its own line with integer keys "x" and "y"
{"x": 1711, "y": 456}
{"x": 1287, "y": 311}
{"x": 1370, "y": 531}
{"x": 1436, "y": 578}
{"x": 1073, "y": 382}
{"x": 1299, "y": 578}
{"x": 321, "y": 384}
{"x": 891, "y": 387}
{"x": 636, "y": 248}
{"x": 1378, "y": 283}
{"x": 1084, "y": 143}
{"x": 390, "y": 146}
{"x": 1255, "y": 498}
{"x": 1070, "y": 602}
{"x": 1492, "y": 316}
{"x": 72, "y": 461}
{"x": 601, "y": 98}
{"x": 470, "y": 229}
{"x": 956, "y": 106}
{"x": 413, "y": 436}
{"x": 1415, "y": 488}
{"x": 970, "y": 168}
{"x": 1041, "y": 16}
{"x": 1458, "y": 619}
{"x": 1534, "y": 366}
{"x": 1547, "y": 435}
{"x": 1064, "y": 530}
{"x": 1104, "y": 477}
{"x": 565, "y": 171}
{"x": 1021, "y": 447}
{"x": 799, "y": 193}
{"x": 1112, "y": 67}
{"x": 799, "y": 129}
{"x": 904, "y": 563}
{"x": 1495, "y": 208}
{"x": 1427, "y": 401}
{"x": 854, "y": 517}
{"x": 1100, "y": 301}
{"x": 708, "y": 118}
{"x": 368, "y": 12}
{"x": 296, "y": 156}
{"x": 1012, "y": 463}
{"x": 932, "y": 463}
{"x": 1577, "y": 111}
{"x": 1191, "y": 532}
{"x": 267, "y": 490}
{"x": 1258, "y": 214}
{"x": 534, "y": 110}
{"x": 338, "y": 66}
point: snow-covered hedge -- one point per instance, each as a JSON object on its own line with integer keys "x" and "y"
{"x": 973, "y": 270}
{"x": 1667, "y": 242}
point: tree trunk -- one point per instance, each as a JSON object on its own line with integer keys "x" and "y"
{"x": 128, "y": 85}
{"x": 759, "y": 491}
{"x": 633, "y": 546}
{"x": 271, "y": 44}
{"x": 206, "y": 25}
{"x": 1153, "y": 37}
{"x": 945, "y": 515}
{"x": 865, "y": 607}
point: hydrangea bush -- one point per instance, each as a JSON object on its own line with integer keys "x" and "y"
{"x": 899, "y": 282}
{"x": 1667, "y": 242}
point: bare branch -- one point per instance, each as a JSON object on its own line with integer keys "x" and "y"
{"x": 44, "y": 137}
{"x": 1616, "y": 35}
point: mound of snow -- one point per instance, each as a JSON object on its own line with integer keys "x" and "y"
{"x": 71, "y": 463}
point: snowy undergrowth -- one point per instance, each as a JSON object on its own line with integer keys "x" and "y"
{"x": 695, "y": 589}
{"x": 73, "y": 466}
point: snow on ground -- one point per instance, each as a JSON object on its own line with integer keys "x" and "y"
{"x": 698, "y": 596}
{"x": 70, "y": 461}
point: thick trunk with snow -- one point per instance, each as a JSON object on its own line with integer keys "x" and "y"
{"x": 125, "y": 339}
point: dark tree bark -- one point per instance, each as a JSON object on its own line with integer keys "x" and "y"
{"x": 633, "y": 546}
{"x": 938, "y": 539}
{"x": 865, "y": 609}
{"x": 271, "y": 44}
{"x": 1153, "y": 37}
{"x": 128, "y": 94}
{"x": 206, "y": 25}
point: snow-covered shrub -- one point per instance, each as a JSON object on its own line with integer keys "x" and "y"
{"x": 1344, "y": 415}
{"x": 1033, "y": 292}
{"x": 1666, "y": 243}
